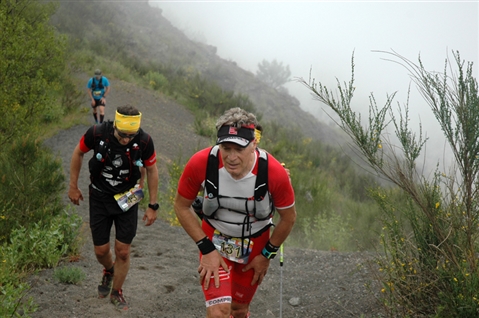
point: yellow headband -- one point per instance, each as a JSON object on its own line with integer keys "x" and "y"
{"x": 127, "y": 123}
{"x": 257, "y": 135}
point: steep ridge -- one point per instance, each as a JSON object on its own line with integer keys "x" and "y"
{"x": 142, "y": 31}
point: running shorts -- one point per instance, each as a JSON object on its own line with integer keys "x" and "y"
{"x": 98, "y": 102}
{"x": 235, "y": 286}
{"x": 104, "y": 211}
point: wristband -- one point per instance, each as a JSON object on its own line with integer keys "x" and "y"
{"x": 205, "y": 245}
{"x": 269, "y": 251}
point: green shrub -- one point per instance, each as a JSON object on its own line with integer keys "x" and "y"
{"x": 35, "y": 248}
{"x": 13, "y": 300}
{"x": 31, "y": 182}
{"x": 428, "y": 264}
{"x": 204, "y": 124}
{"x": 30, "y": 249}
{"x": 156, "y": 80}
{"x": 69, "y": 275}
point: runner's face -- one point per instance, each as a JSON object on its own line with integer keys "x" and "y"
{"x": 124, "y": 138}
{"x": 237, "y": 160}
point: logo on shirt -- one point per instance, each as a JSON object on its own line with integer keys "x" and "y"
{"x": 117, "y": 162}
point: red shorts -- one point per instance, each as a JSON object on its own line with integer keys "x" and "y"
{"x": 235, "y": 286}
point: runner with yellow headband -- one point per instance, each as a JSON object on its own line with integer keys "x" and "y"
{"x": 127, "y": 123}
{"x": 121, "y": 151}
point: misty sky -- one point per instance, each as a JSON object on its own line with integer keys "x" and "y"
{"x": 322, "y": 35}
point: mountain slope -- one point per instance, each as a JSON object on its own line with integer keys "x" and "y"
{"x": 141, "y": 31}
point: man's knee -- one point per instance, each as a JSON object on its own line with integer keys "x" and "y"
{"x": 102, "y": 250}
{"x": 122, "y": 251}
{"x": 219, "y": 311}
{"x": 239, "y": 310}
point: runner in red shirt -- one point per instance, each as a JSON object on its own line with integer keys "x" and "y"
{"x": 234, "y": 237}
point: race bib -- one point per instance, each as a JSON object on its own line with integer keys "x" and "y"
{"x": 97, "y": 93}
{"x": 129, "y": 198}
{"x": 230, "y": 247}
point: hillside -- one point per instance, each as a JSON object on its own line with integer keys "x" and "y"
{"x": 141, "y": 31}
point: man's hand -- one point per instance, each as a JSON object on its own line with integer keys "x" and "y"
{"x": 260, "y": 265}
{"x": 150, "y": 216}
{"x": 75, "y": 195}
{"x": 210, "y": 266}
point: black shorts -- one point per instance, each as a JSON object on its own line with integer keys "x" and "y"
{"x": 104, "y": 211}
{"x": 98, "y": 102}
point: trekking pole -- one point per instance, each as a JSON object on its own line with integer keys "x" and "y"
{"x": 281, "y": 281}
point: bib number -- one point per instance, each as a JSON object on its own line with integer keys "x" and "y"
{"x": 232, "y": 247}
{"x": 97, "y": 93}
{"x": 129, "y": 198}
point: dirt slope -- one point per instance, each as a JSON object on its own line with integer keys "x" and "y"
{"x": 163, "y": 281}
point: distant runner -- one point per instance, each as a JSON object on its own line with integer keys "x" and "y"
{"x": 98, "y": 89}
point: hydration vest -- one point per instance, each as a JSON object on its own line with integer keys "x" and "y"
{"x": 260, "y": 206}
{"x": 104, "y": 154}
{"x": 93, "y": 84}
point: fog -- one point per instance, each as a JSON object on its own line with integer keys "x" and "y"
{"x": 321, "y": 37}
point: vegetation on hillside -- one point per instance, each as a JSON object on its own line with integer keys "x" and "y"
{"x": 35, "y": 230}
{"x": 428, "y": 265}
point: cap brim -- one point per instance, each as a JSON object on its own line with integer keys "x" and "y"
{"x": 234, "y": 139}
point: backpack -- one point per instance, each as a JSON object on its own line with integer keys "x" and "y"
{"x": 212, "y": 177}
{"x": 93, "y": 84}
{"x": 102, "y": 150}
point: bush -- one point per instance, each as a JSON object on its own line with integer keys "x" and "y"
{"x": 69, "y": 275}
{"x": 428, "y": 259}
{"x": 13, "y": 302}
{"x": 43, "y": 244}
{"x": 156, "y": 80}
{"x": 31, "y": 181}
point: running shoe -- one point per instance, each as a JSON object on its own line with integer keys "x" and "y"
{"x": 117, "y": 299}
{"x": 105, "y": 287}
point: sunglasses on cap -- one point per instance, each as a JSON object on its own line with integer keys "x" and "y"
{"x": 126, "y": 136}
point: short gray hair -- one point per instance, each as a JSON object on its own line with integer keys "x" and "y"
{"x": 236, "y": 117}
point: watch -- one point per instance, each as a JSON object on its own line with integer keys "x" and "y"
{"x": 155, "y": 206}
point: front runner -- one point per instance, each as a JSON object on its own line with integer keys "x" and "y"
{"x": 120, "y": 150}
{"x": 234, "y": 236}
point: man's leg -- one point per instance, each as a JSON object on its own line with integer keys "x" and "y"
{"x": 101, "y": 111}
{"x": 122, "y": 264}
{"x": 95, "y": 115}
{"x": 104, "y": 256}
{"x": 239, "y": 310}
{"x": 218, "y": 311}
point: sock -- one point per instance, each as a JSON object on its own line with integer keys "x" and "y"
{"x": 111, "y": 270}
{"x": 101, "y": 118}
{"x": 94, "y": 116}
